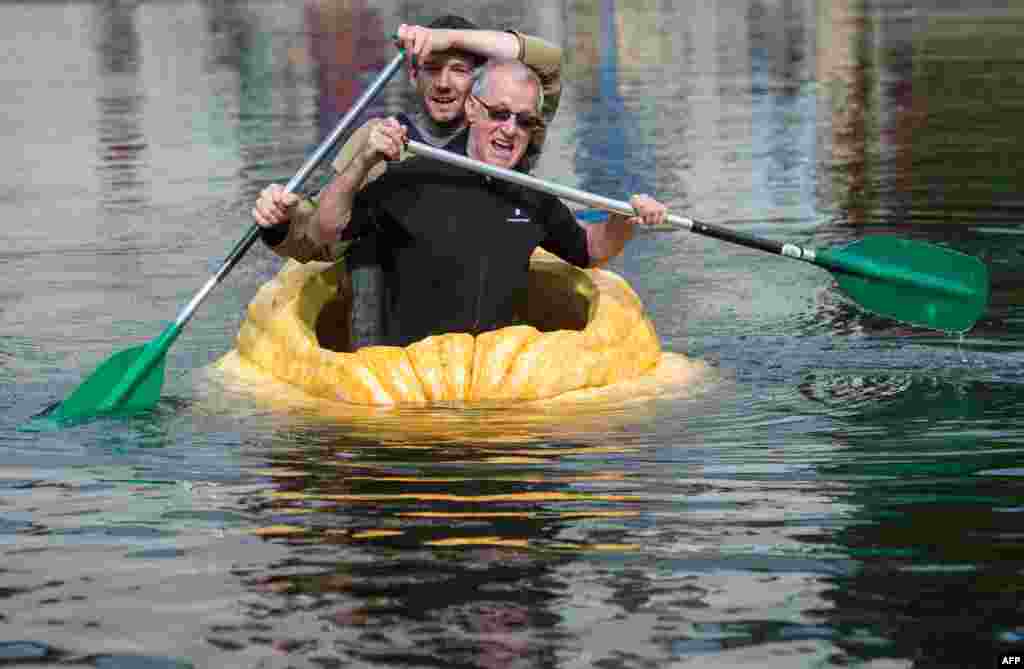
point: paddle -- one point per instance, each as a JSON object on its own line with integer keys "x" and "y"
{"x": 131, "y": 380}
{"x": 914, "y": 282}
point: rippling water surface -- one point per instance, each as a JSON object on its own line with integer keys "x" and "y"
{"x": 837, "y": 490}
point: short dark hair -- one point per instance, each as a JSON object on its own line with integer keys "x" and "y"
{"x": 455, "y": 22}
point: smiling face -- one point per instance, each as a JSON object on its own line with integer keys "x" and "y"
{"x": 443, "y": 81}
{"x": 501, "y": 143}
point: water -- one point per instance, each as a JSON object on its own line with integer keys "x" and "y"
{"x": 842, "y": 490}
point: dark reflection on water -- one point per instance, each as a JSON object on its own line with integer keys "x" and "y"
{"x": 936, "y": 529}
{"x": 348, "y": 42}
{"x": 120, "y": 103}
{"x": 412, "y": 556}
{"x": 843, "y": 491}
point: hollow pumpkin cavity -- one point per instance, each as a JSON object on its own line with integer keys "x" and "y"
{"x": 581, "y": 329}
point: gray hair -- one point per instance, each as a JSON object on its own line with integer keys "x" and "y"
{"x": 520, "y": 73}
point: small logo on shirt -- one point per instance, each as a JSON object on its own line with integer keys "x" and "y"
{"x": 520, "y": 217}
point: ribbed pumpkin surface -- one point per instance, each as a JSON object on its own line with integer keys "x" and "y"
{"x": 294, "y": 316}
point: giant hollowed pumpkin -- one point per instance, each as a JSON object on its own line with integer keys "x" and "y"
{"x": 582, "y": 329}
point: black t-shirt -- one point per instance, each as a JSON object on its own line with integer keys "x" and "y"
{"x": 455, "y": 246}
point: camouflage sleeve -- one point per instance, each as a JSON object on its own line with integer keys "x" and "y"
{"x": 545, "y": 59}
{"x": 300, "y": 242}
{"x": 352, "y": 147}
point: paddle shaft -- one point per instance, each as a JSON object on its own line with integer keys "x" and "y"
{"x": 294, "y": 184}
{"x": 158, "y": 347}
{"x": 608, "y": 204}
{"x": 830, "y": 261}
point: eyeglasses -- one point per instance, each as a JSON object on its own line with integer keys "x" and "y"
{"x": 524, "y": 120}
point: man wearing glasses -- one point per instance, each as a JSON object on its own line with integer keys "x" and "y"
{"x": 454, "y": 247}
{"x": 442, "y": 58}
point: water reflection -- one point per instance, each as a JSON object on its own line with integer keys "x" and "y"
{"x": 120, "y": 102}
{"x": 783, "y": 122}
{"x": 232, "y": 31}
{"x": 612, "y": 157}
{"x": 935, "y": 528}
{"x": 962, "y": 153}
{"x": 348, "y": 42}
{"x": 455, "y": 550}
{"x": 263, "y": 104}
{"x": 970, "y": 172}
{"x": 850, "y": 493}
{"x": 842, "y": 75}
{"x": 893, "y": 84}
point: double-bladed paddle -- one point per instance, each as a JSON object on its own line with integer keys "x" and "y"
{"x": 131, "y": 380}
{"x": 910, "y": 281}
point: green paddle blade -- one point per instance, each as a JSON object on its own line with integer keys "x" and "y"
{"x": 127, "y": 382}
{"x": 917, "y": 283}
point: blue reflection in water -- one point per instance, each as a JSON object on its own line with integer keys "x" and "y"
{"x": 612, "y": 156}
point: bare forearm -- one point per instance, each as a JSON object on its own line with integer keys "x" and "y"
{"x": 487, "y": 43}
{"x": 607, "y": 240}
{"x": 337, "y": 199}
{"x": 384, "y": 142}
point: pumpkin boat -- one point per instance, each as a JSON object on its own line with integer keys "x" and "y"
{"x": 584, "y": 334}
